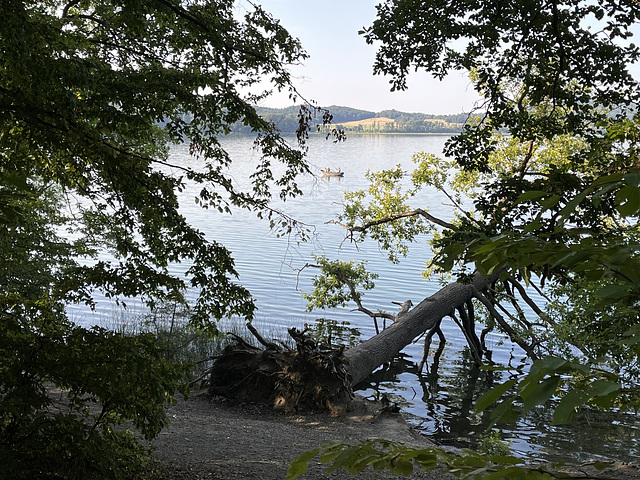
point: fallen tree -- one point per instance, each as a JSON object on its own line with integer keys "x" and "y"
{"x": 425, "y": 317}
{"x": 321, "y": 377}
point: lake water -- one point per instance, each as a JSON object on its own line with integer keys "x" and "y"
{"x": 438, "y": 404}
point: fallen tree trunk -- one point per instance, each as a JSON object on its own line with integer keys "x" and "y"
{"x": 364, "y": 358}
{"x": 319, "y": 377}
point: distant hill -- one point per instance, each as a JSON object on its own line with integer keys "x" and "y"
{"x": 375, "y": 122}
{"x": 364, "y": 121}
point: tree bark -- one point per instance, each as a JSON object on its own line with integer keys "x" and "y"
{"x": 319, "y": 377}
{"x": 364, "y": 358}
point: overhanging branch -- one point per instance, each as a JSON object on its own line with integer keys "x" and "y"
{"x": 392, "y": 218}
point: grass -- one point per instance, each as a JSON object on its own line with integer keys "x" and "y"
{"x": 185, "y": 343}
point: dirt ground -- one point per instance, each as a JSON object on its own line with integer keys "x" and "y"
{"x": 224, "y": 439}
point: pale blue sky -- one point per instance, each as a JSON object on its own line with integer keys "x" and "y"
{"x": 340, "y": 69}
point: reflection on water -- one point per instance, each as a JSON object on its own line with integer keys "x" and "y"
{"x": 334, "y": 333}
{"x": 440, "y": 403}
{"x": 442, "y": 408}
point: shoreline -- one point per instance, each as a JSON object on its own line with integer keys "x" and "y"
{"x": 218, "y": 438}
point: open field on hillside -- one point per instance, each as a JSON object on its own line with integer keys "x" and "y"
{"x": 376, "y": 121}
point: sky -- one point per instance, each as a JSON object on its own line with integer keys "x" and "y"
{"x": 340, "y": 68}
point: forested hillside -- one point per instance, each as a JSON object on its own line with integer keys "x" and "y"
{"x": 364, "y": 121}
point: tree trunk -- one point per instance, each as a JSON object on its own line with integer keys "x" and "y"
{"x": 319, "y": 377}
{"x": 364, "y": 358}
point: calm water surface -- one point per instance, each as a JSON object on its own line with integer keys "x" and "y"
{"x": 439, "y": 404}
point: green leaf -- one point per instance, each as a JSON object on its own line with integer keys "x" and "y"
{"x": 573, "y": 203}
{"x": 364, "y": 462}
{"x": 604, "y": 191}
{"x": 609, "y": 179}
{"x": 566, "y": 409}
{"x": 628, "y": 200}
{"x": 300, "y": 464}
{"x": 530, "y": 195}
{"x": 472, "y": 459}
{"x": 551, "y": 201}
{"x": 602, "y": 388}
{"x": 402, "y": 467}
{"x": 493, "y": 395}
{"x": 602, "y": 465}
{"x": 331, "y": 450}
{"x": 541, "y": 393}
{"x": 427, "y": 461}
{"x": 504, "y": 412}
{"x": 548, "y": 364}
{"x": 632, "y": 179}
{"x": 533, "y": 226}
{"x": 509, "y": 472}
{"x": 613, "y": 292}
{"x": 632, "y": 336}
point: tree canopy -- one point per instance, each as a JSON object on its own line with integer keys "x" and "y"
{"x": 543, "y": 182}
{"x": 92, "y": 95}
{"x": 544, "y": 186}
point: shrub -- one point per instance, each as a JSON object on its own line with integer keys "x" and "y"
{"x": 77, "y": 402}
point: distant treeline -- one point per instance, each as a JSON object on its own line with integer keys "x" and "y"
{"x": 363, "y": 121}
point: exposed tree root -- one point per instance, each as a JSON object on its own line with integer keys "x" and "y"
{"x": 311, "y": 378}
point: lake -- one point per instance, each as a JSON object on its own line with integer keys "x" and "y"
{"x": 438, "y": 404}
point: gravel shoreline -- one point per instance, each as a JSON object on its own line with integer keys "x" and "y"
{"x": 227, "y": 439}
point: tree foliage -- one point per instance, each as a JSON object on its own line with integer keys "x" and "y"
{"x": 551, "y": 169}
{"x": 543, "y": 182}
{"x": 570, "y": 55}
{"x": 92, "y": 95}
{"x": 398, "y": 458}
